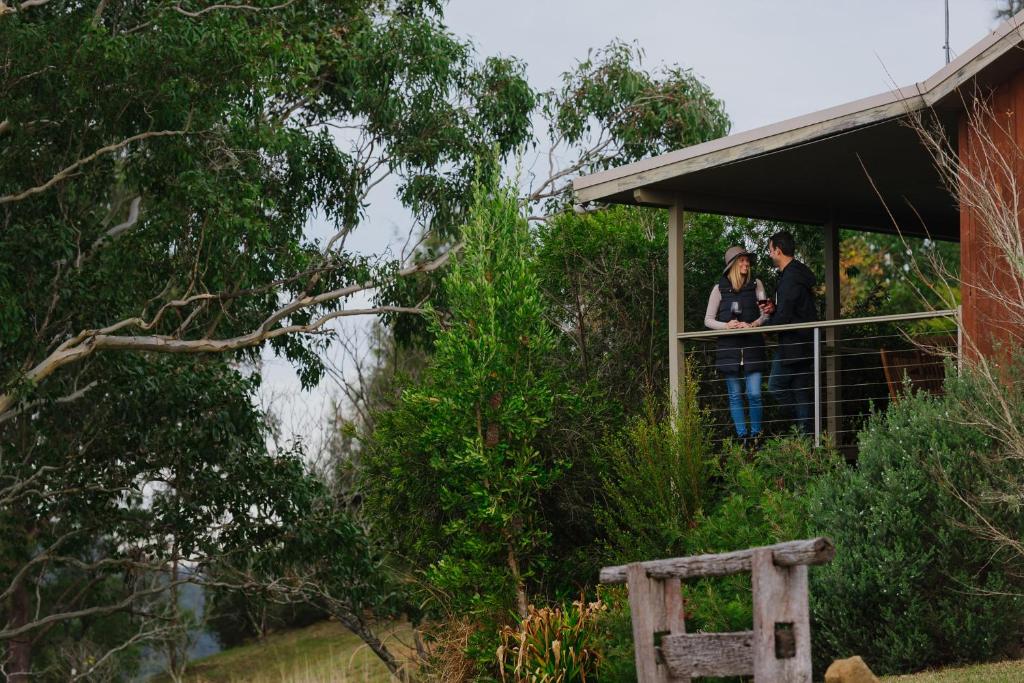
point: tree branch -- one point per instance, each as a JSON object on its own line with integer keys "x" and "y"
{"x": 68, "y": 170}
{"x": 212, "y": 8}
{"x": 73, "y": 396}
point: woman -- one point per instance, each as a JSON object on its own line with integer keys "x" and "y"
{"x": 733, "y": 305}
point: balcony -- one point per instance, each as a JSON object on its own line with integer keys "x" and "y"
{"x": 857, "y": 365}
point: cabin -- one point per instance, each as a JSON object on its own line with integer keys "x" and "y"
{"x": 940, "y": 159}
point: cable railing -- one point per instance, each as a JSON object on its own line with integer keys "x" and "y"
{"x": 853, "y": 366}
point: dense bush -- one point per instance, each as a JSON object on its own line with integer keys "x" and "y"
{"x": 746, "y": 501}
{"x": 757, "y": 501}
{"x": 657, "y": 480}
{"x": 912, "y": 585}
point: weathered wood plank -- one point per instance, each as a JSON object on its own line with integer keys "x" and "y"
{"x": 709, "y": 654}
{"x": 789, "y": 554}
{"x": 780, "y": 608}
{"x": 675, "y": 619}
{"x": 643, "y": 615}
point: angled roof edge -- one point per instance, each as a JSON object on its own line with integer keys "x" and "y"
{"x": 808, "y": 127}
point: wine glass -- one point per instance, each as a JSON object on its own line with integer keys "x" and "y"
{"x": 735, "y": 309}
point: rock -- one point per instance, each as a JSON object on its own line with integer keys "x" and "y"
{"x": 852, "y": 670}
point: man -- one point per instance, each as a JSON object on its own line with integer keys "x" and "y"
{"x": 793, "y": 366}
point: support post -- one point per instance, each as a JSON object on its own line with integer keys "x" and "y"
{"x": 676, "y": 275}
{"x": 782, "y": 625}
{"x": 959, "y": 339}
{"x": 817, "y": 386}
{"x": 656, "y": 610}
{"x": 833, "y": 390}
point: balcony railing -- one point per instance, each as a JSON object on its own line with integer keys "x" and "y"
{"x": 856, "y": 363}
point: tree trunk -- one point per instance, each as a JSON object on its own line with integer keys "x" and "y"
{"x": 521, "y": 602}
{"x": 357, "y": 627}
{"x": 19, "y": 649}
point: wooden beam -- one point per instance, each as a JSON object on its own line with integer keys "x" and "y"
{"x": 676, "y": 284}
{"x": 833, "y": 392}
{"x": 791, "y": 553}
{"x": 709, "y": 654}
{"x": 831, "y": 270}
{"x": 642, "y": 615}
{"x": 746, "y": 145}
{"x": 782, "y": 633}
{"x": 647, "y": 197}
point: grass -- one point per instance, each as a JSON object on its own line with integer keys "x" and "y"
{"x": 322, "y": 653}
{"x": 328, "y": 653}
{"x": 1001, "y": 672}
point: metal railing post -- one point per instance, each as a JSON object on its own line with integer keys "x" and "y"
{"x": 959, "y": 338}
{"x": 817, "y": 386}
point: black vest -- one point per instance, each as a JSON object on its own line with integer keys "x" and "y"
{"x": 747, "y": 347}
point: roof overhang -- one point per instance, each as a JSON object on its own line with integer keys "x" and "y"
{"x": 859, "y": 164}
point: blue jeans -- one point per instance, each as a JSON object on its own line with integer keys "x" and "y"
{"x": 734, "y": 385}
{"x": 790, "y": 386}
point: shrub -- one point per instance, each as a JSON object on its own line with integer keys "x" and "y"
{"x": 453, "y": 471}
{"x": 911, "y": 586}
{"x": 656, "y": 483}
{"x": 746, "y": 503}
{"x": 552, "y": 644}
{"x": 757, "y": 503}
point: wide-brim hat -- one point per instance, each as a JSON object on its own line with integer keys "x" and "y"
{"x": 733, "y": 253}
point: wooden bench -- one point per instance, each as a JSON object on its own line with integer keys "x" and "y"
{"x": 778, "y": 650}
{"x": 924, "y": 366}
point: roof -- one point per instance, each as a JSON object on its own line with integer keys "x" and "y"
{"x": 857, "y": 163}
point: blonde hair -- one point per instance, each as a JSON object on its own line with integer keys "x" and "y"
{"x": 738, "y": 281}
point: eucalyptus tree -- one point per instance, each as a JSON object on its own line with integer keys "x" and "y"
{"x": 1008, "y": 8}
{"x": 159, "y": 162}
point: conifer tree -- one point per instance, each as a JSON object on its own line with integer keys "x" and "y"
{"x": 456, "y": 464}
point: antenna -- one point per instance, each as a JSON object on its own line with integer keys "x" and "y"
{"x": 946, "y": 46}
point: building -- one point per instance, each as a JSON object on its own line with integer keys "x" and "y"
{"x": 866, "y": 165}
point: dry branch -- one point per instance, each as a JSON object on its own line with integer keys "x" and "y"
{"x": 67, "y": 171}
{"x": 213, "y": 8}
{"x": 87, "y": 342}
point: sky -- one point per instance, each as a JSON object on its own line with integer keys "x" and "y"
{"x": 768, "y": 60}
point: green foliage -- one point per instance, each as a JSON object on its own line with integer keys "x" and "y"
{"x": 644, "y": 113}
{"x": 912, "y": 584}
{"x": 605, "y": 279}
{"x": 131, "y": 491}
{"x": 160, "y": 165}
{"x": 552, "y": 644}
{"x": 656, "y": 485}
{"x": 757, "y": 503}
{"x": 225, "y": 194}
{"x": 454, "y": 471}
{"x": 614, "y": 637}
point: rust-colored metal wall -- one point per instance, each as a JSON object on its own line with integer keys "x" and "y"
{"x": 991, "y": 146}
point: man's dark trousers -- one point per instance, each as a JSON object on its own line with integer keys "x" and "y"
{"x": 790, "y": 386}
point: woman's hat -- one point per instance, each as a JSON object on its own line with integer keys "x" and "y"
{"x": 733, "y": 253}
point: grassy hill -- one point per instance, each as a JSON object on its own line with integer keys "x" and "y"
{"x": 328, "y": 653}
{"x": 322, "y": 653}
{"x": 1000, "y": 672}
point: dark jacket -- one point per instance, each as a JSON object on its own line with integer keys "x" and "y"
{"x": 794, "y": 303}
{"x": 746, "y": 347}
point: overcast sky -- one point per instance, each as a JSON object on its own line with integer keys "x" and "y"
{"x": 768, "y": 60}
